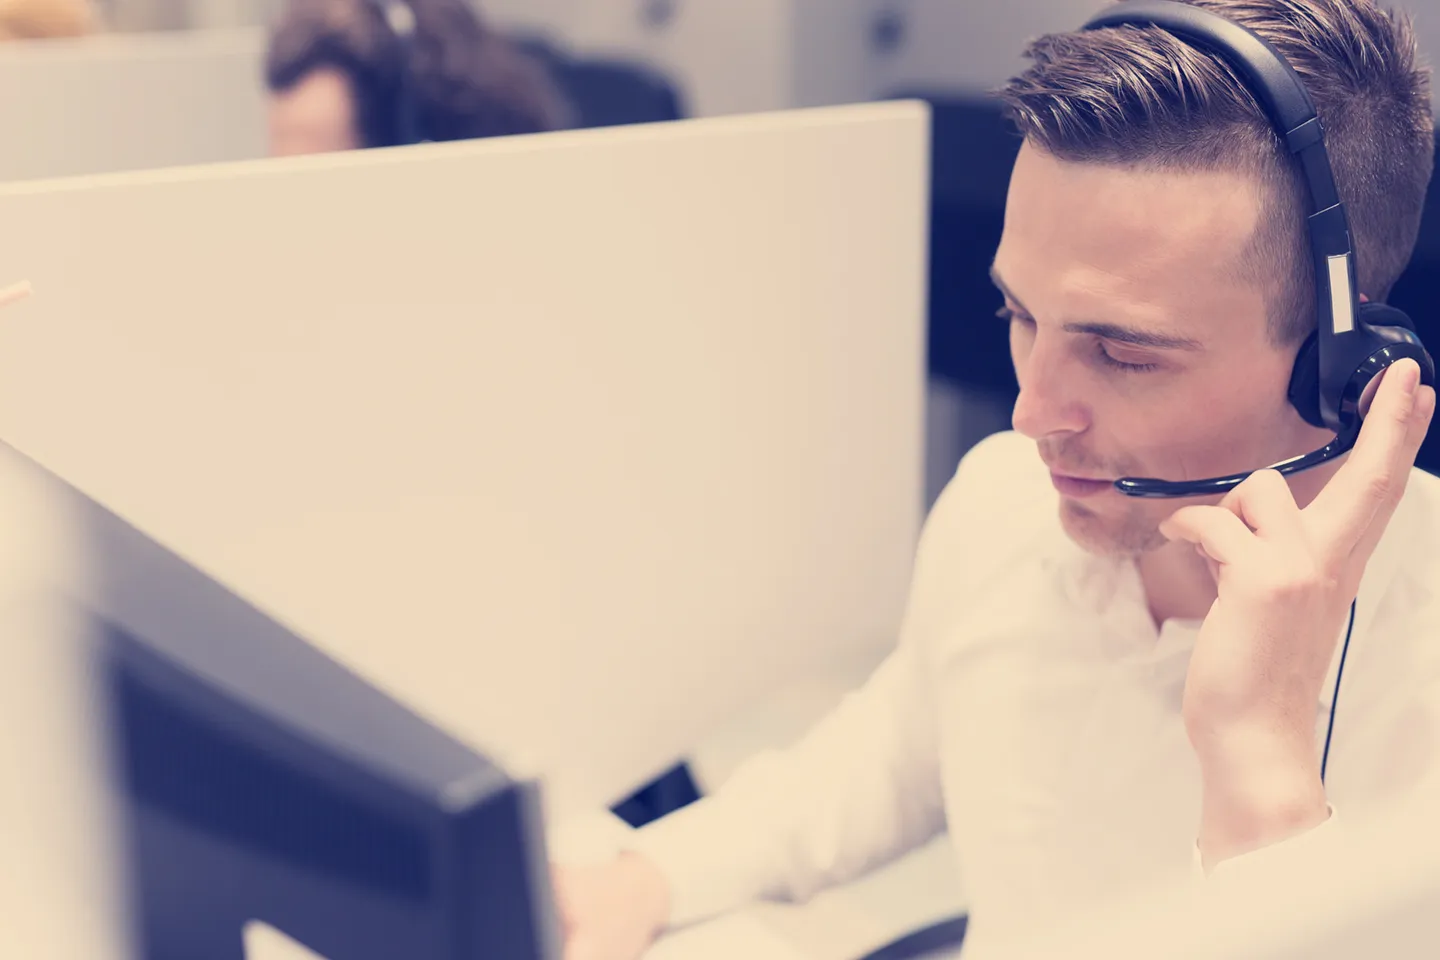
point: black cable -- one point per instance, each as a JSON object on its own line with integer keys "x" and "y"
{"x": 1335, "y": 697}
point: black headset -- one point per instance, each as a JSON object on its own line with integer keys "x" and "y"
{"x": 405, "y": 123}
{"x": 1353, "y": 342}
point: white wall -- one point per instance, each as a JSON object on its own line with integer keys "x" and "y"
{"x": 130, "y": 102}
{"x": 729, "y": 56}
{"x": 563, "y": 16}
{"x": 968, "y": 45}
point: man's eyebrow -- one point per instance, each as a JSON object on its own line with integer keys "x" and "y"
{"x": 1000, "y": 285}
{"x": 1115, "y": 332}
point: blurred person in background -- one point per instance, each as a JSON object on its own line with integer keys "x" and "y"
{"x": 342, "y": 75}
{"x": 45, "y": 19}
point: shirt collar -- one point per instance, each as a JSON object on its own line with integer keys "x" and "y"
{"x": 1097, "y": 583}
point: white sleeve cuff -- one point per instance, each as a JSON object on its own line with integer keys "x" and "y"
{"x": 696, "y": 854}
{"x": 1264, "y": 854}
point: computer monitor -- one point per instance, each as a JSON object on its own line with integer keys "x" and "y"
{"x": 254, "y": 779}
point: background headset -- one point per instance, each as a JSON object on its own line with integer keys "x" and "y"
{"x": 1353, "y": 342}
{"x": 405, "y": 123}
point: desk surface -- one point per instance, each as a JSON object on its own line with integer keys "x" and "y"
{"x": 738, "y": 935}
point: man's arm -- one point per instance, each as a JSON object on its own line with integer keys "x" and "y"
{"x": 1285, "y": 578}
{"x": 1258, "y": 793}
{"x": 858, "y": 789}
{"x": 862, "y": 787}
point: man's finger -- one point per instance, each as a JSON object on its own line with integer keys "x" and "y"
{"x": 1425, "y": 412}
{"x": 1368, "y": 482}
{"x": 1219, "y": 531}
{"x": 1266, "y": 504}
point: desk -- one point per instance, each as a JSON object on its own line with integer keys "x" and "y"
{"x": 735, "y": 936}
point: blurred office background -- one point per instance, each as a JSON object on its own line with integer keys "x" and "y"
{"x": 645, "y": 60}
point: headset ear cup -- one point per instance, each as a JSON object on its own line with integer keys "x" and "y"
{"x": 1379, "y": 315}
{"x": 1384, "y": 315}
{"x": 1305, "y": 381}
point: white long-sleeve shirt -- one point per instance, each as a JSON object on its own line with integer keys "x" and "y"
{"x": 1032, "y": 709}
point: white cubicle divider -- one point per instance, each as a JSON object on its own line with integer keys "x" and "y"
{"x": 576, "y": 443}
{"x": 130, "y": 102}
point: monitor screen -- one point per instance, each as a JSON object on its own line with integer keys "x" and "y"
{"x": 254, "y": 780}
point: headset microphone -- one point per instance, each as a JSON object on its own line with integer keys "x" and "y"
{"x": 1354, "y": 342}
{"x": 1147, "y": 487}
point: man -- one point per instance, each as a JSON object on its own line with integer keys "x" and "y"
{"x": 341, "y": 77}
{"x": 1093, "y": 692}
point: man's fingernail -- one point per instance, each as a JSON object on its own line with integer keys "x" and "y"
{"x": 1409, "y": 374}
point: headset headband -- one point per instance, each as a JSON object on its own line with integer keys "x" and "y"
{"x": 1352, "y": 344}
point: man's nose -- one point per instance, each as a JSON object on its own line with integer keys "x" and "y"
{"x": 1047, "y": 404}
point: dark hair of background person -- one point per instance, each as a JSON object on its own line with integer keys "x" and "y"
{"x": 467, "y": 80}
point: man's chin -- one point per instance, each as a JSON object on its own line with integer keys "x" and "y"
{"x": 1107, "y": 535}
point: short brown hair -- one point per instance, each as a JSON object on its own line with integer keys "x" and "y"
{"x": 466, "y": 79}
{"x": 1140, "y": 96}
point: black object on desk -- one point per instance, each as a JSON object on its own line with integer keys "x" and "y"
{"x": 258, "y": 779}
{"x": 947, "y": 935}
{"x": 671, "y": 791}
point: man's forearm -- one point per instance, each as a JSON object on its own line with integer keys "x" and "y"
{"x": 1257, "y": 793}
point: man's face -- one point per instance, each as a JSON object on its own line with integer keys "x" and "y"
{"x": 1138, "y": 351}
{"x": 316, "y": 115}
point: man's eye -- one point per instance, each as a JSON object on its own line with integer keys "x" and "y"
{"x": 1012, "y": 316}
{"x": 1121, "y": 365}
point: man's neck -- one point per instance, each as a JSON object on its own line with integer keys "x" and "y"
{"x": 1177, "y": 583}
